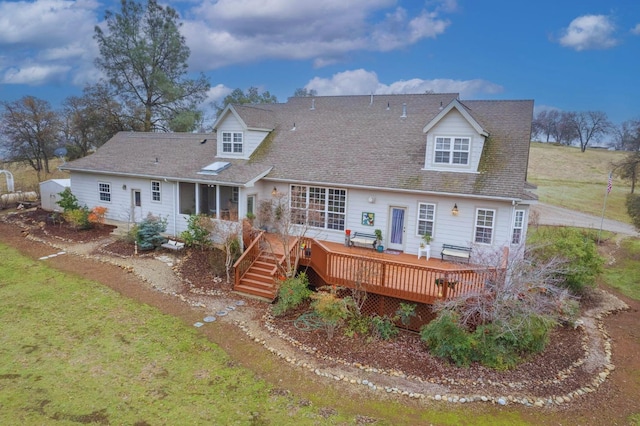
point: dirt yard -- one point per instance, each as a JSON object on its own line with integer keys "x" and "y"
{"x": 590, "y": 375}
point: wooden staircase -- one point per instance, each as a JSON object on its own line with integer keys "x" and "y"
{"x": 260, "y": 278}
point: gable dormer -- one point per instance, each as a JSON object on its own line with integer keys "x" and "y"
{"x": 241, "y": 129}
{"x": 455, "y": 140}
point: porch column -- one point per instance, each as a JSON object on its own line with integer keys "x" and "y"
{"x": 197, "y": 198}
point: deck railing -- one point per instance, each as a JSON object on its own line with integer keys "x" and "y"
{"x": 386, "y": 277}
{"x": 247, "y": 258}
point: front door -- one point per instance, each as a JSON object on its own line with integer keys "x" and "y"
{"x": 395, "y": 237}
{"x": 136, "y": 205}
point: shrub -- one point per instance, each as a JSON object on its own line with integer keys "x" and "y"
{"x": 633, "y": 209}
{"x": 292, "y": 293}
{"x": 405, "y": 312}
{"x": 68, "y": 201}
{"x": 576, "y": 248}
{"x": 331, "y": 310}
{"x": 383, "y": 327}
{"x": 446, "y": 339}
{"x": 149, "y": 230}
{"x": 97, "y": 215}
{"x": 78, "y": 218}
{"x": 198, "y": 230}
{"x": 358, "y": 325}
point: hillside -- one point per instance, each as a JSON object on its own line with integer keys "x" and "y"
{"x": 567, "y": 177}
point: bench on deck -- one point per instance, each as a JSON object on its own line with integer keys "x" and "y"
{"x": 362, "y": 239}
{"x": 456, "y": 251}
{"x": 173, "y": 245}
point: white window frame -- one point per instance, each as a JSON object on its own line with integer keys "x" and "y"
{"x": 483, "y": 228}
{"x": 104, "y": 192}
{"x": 156, "y": 193}
{"x": 454, "y": 147}
{"x": 426, "y": 218}
{"x": 232, "y": 142}
{"x": 518, "y": 227}
{"x": 318, "y": 207}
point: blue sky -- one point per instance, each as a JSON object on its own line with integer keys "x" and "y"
{"x": 571, "y": 55}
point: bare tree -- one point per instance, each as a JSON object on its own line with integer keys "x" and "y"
{"x": 629, "y": 169}
{"x": 628, "y": 135}
{"x": 590, "y": 126}
{"x": 544, "y": 124}
{"x": 31, "y": 132}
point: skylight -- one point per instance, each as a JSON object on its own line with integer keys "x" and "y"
{"x": 214, "y": 168}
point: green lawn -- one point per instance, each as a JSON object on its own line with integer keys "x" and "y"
{"x": 74, "y": 351}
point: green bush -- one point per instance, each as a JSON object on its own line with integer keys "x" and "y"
{"x": 405, "y": 312}
{"x": 383, "y": 327}
{"x": 358, "y": 325}
{"x": 198, "y": 231}
{"x": 78, "y": 218}
{"x": 149, "y": 230}
{"x": 576, "y": 248}
{"x": 68, "y": 201}
{"x": 633, "y": 209}
{"x": 292, "y": 293}
{"x": 331, "y": 309}
{"x": 446, "y": 339}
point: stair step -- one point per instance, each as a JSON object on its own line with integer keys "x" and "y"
{"x": 258, "y": 276}
{"x": 256, "y": 291}
{"x": 257, "y": 284}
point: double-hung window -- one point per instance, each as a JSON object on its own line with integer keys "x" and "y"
{"x": 426, "y": 215}
{"x": 452, "y": 150}
{"x": 155, "y": 191}
{"x": 518, "y": 227}
{"x": 232, "y": 142}
{"x": 318, "y": 207}
{"x": 104, "y": 191}
{"x": 484, "y": 226}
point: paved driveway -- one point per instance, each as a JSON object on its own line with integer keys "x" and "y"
{"x": 552, "y": 215}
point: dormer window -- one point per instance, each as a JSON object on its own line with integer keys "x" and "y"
{"x": 452, "y": 150}
{"x": 232, "y": 142}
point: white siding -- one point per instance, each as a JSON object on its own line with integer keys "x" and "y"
{"x": 454, "y": 124}
{"x": 85, "y": 187}
{"x": 250, "y": 139}
{"x": 49, "y": 191}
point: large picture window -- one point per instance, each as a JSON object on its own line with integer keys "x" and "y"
{"x": 426, "y": 216}
{"x": 232, "y": 142}
{"x": 104, "y": 191}
{"x": 452, "y": 150}
{"x": 318, "y": 207}
{"x": 518, "y": 227}
{"x": 484, "y": 226}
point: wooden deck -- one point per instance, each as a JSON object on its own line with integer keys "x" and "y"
{"x": 397, "y": 275}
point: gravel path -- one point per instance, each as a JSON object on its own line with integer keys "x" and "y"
{"x": 553, "y": 215}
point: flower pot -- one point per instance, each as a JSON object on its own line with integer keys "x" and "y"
{"x": 380, "y": 249}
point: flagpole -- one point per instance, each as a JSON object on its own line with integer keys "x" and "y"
{"x": 604, "y": 206}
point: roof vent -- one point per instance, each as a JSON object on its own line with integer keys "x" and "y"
{"x": 294, "y": 126}
{"x": 441, "y": 108}
{"x": 404, "y": 110}
{"x": 371, "y": 101}
{"x": 388, "y": 106}
{"x": 313, "y": 104}
{"x": 214, "y": 168}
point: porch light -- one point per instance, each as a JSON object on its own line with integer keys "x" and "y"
{"x": 124, "y": 187}
{"x": 454, "y": 210}
{"x": 274, "y": 192}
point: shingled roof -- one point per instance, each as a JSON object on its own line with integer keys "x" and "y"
{"x": 348, "y": 141}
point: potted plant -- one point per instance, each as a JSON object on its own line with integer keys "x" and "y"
{"x": 426, "y": 240}
{"x": 379, "y": 246}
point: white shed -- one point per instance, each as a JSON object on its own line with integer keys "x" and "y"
{"x": 49, "y": 190}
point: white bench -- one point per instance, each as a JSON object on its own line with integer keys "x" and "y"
{"x": 456, "y": 251}
{"x": 173, "y": 245}
{"x": 363, "y": 239}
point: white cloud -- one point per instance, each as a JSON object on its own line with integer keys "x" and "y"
{"x": 46, "y": 39}
{"x": 636, "y": 30}
{"x": 241, "y": 31}
{"x": 589, "y": 32}
{"x": 361, "y": 82}
{"x": 34, "y": 74}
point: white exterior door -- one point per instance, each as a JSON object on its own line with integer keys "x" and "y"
{"x": 395, "y": 234}
{"x": 136, "y": 205}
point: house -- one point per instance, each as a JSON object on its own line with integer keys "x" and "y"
{"x": 404, "y": 164}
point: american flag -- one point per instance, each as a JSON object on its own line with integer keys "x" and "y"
{"x": 609, "y": 183}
